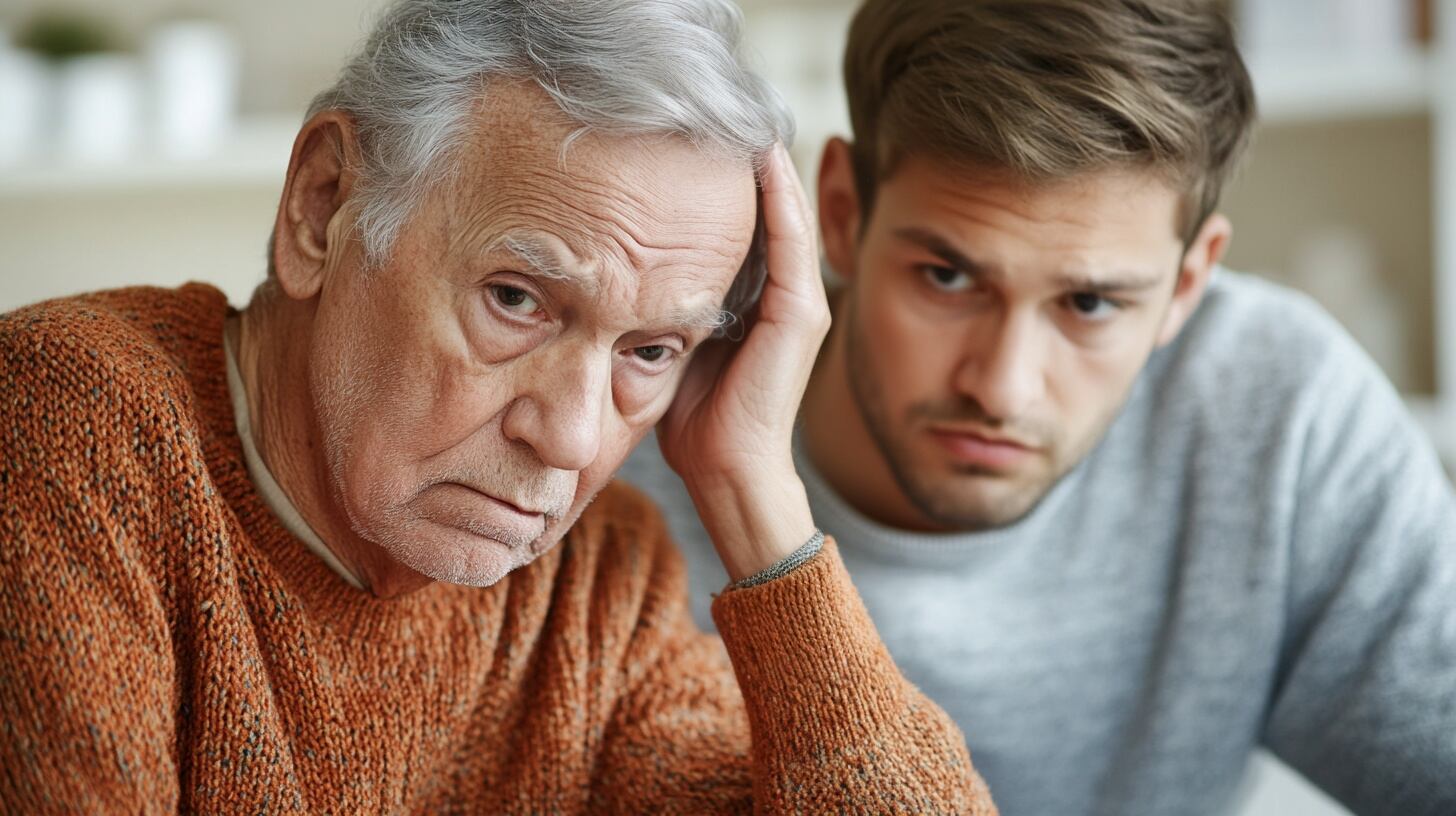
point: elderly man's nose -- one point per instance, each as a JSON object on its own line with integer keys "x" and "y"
{"x": 561, "y": 416}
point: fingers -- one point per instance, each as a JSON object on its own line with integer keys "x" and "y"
{"x": 789, "y": 231}
{"x": 704, "y": 371}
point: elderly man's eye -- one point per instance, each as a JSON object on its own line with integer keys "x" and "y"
{"x": 651, "y": 354}
{"x": 515, "y": 300}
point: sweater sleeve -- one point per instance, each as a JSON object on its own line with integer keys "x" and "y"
{"x": 835, "y": 726}
{"x": 1365, "y": 699}
{"x": 86, "y": 668}
{"x": 819, "y": 719}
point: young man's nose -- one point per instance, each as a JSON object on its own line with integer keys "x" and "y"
{"x": 1004, "y": 366}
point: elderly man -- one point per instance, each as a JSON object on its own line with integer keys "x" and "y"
{"x": 334, "y": 553}
{"x": 1127, "y": 518}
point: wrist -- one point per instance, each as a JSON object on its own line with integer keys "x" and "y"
{"x": 803, "y": 555}
{"x": 754, "y": 522}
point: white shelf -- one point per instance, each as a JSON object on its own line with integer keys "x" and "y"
{"x": 1417, "y": 81}
{"x": 1296, "y": 90}
{"x": 255, "y": 156}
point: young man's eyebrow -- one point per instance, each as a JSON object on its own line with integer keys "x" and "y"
{"x": 942, "y": 249}
{"x": 1126, "y": 282}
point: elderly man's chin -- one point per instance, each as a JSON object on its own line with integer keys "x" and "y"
{"x": 451, "y": 533}
{"x": 471, "y": 553}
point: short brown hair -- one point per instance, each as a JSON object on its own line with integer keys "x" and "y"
{"x": 1051, "y": 89}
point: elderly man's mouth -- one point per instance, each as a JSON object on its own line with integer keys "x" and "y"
{"x": 470, "y": 510}
{"x": 516, "y": 507}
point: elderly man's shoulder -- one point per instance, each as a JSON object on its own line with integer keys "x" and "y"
{"x": 102, "y": 435}
{"x": 108, "y": 338}
{"x": 104, "y": 384}
{"x": 94, "y": 353}
{"x": 623, "y": 515}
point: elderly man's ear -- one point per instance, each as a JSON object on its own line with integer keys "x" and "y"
{"x": 313, "y": 222}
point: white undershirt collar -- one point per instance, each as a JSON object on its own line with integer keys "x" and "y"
{"x": 273, "y": 495}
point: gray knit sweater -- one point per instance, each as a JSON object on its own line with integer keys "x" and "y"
{"x": 1261, "y": 551}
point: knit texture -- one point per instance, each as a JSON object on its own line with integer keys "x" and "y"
{"x": 166, "y": 645}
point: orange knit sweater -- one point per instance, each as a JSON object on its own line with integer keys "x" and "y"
{"x": 166, "y": 645}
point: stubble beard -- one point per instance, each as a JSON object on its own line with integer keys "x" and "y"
{"x": 935, "y": 498}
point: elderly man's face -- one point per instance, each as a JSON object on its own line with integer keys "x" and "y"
{"x": 532, "y": 324}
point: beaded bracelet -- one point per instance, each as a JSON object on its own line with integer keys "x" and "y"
{"x": 785, "y": 565}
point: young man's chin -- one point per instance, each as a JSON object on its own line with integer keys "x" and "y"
{"x": 971, "y": 501}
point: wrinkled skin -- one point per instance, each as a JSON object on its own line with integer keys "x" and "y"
{"x": 448, "y": 414}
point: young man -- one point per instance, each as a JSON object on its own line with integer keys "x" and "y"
{"x": 1125, "y": 516}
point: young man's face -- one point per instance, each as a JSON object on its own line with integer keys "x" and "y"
{"x": 992, "y": 328}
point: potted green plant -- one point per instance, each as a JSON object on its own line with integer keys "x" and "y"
{"x": 98, "y": 85}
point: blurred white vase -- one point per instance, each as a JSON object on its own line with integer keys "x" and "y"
{"x": 194, "y": 74}
{"x": 100, "y": 98}
{"x": 24, "y": 91}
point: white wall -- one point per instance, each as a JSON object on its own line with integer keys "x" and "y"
{"x": 64, "y": 244}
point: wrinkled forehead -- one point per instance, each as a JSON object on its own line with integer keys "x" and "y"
{"x": 624, "y": 296}
{"x": 643, "y": 206}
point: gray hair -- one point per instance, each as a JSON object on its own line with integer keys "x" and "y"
{"x": 631, "y": 67}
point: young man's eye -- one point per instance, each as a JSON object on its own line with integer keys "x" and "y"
{"x": 515, "y": 300}
{"x": 1091, "y": 305}
{"x": 946, "y": 279}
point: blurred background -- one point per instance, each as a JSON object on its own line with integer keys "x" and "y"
{"x": 146, "y": 142}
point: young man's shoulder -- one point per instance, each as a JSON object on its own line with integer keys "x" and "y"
{"x": 1260, "y": 347}
{"x": 1267, "y": 387}
{"x": 1263, "y": 327}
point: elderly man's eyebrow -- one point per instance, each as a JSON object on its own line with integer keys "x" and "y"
{"x": 703, "y": 318}
{"x": 544, "y": 259}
